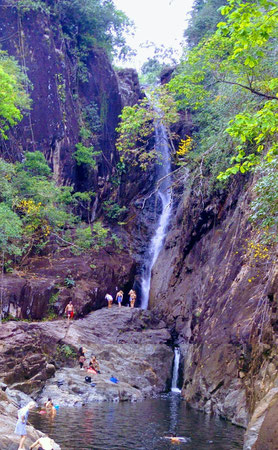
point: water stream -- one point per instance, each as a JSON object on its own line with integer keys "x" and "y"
{"x": 174, "y": 387}
{"x": 164, "y": 195}
{"x": 138, "y": 426}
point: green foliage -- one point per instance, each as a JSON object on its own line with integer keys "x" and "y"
{"x": 100, "y": 235}
{"x": 264, "y": 207}
{"x": 69, "y": 282}
{"x": 33, "y": 209}
{"x": 135, "y": 131}
{"x": 84, "y": 238}
{"x": 151, "y": 70}
{"x": 117, "y": 175}
{"x": 11, "y": 230}
{"x": 94, "y": 22}
{"x": 35, "y": 164}
{"x": 92, "y": 118}
{"x": 31, "y": 5}
{"x": 65, "y": 351}
{"x": 54, "y": 298}
{"x": 61, "y": 87}
{"x": 240, "y": 55}
{"x": 116, "y": 241}
{"x": 85, "y": 155}
{"x": 113, "y": 210}
{"x": 13, "y": 98}
{"x": 84, "y": 133}
{"x": 204, "y": 18}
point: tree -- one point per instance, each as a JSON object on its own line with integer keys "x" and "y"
{"x": 203, "y": 21}
{"x": 13, "y": 97}
{"x": 240, "y": 54}
{"x": 94, "y": 22}
{"x": 10, "y": 234}
{"x": 136, "y": 128}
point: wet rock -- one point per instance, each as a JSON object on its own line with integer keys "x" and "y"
{"x": 41, "y": 290}
{"x": 130, "y": 344}
{"x": 268, "y": 433}
{"x": 69, "y": 388}
{"x": 262, "y": 429}
{"x": 129, "y": 86}
{"x": 207, "y": 287}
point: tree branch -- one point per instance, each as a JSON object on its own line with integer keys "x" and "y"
{"x": 254, "y": 91}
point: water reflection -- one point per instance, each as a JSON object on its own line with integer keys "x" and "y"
{"x": 138, "y": 426}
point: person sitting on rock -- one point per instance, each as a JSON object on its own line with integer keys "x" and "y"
{"x": 119, "y": 298}
{"x": 44, "y": 443}
{"x": 109, "y": 299}
{"x": 69, "y": 310}
{"x": 94, "y": 364}
{"x": 132, "y": 298}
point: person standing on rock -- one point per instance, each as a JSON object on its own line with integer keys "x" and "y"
{"x": 69, "y": 310}
{"x": 132, "y": 298}
{"x": 82, "y": 357}
{"x": 21, "y": 423}
{"x": 109, "y": 299}
{"x": 119, "y": 298}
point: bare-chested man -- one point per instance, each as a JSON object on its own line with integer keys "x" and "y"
{"x": 69, "y": 310}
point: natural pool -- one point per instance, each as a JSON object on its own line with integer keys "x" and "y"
{"x": 139, "y": 425}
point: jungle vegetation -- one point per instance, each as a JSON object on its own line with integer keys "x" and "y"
{"x": 228, "y": 81}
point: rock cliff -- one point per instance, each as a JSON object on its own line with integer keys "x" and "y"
{"x": 62, "y": 101}
{"x": 217, "y": 288}
{"x": 59, "y": 97}
{"x": 130, "y": 345}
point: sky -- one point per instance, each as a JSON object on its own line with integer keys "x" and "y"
{"x": 160, "y": 21}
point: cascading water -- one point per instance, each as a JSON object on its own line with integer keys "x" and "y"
{"x": 164, "y": 194}
{"x": 174, "y": 387}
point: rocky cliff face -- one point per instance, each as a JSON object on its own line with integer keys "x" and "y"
{"x": 37, "y": 41}
{"x": 60, "y": 98}
{"x": 218, "y": 290}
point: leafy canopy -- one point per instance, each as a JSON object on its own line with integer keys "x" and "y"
{"x": 95, "y": 22}
{"x": 241, "y": 54}
{"x": 13, "y": 97}
{"x": 33, "y": 209}
{"x": 136, "y": 128}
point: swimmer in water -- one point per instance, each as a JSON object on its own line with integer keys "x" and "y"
{"x": 175, "y": 439}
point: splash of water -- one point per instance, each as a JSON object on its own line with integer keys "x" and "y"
{"x": 174, "y": 387}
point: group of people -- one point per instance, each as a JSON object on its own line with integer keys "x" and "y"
{"x": 43, "y": 443}
{"x": 119, "y": 298}
{"x": 93, "y": 366}
{"x": 69, "y": 309}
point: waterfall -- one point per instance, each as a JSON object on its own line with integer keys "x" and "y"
{"x": 164, "y": 194}
{"x": 174, "y": 387}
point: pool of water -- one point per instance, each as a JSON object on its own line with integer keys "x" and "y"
{"x": 138, "y": 426}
